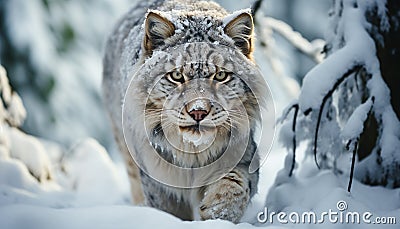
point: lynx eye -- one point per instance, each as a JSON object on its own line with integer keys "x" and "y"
{"x": 176, "y": 77}
{"x": 221, "y": 76}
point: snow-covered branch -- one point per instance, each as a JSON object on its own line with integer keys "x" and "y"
{"x": 313, "y": 49}
{"x": 353, "y": 129}
{"x": 11, "y": 108}
{"x": 355, "y": 125}
{"x": 332, "y": 98}
{"x": 325, "y": 98}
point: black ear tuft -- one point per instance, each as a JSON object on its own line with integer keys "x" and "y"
{"x": 157, "y": 29}
{"x": 240, "y": 29}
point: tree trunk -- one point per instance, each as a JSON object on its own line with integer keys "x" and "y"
{"x": 388, "y": 51}
{"x": 389, "y": 54}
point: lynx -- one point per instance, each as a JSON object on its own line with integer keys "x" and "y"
{"x": 180, "y": 81}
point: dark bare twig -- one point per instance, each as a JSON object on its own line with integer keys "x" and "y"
{"x": 296, "y": 110}
{"x": 286, "y": 112}
{"x": 355, "y": 68}
{"x": 353, "y": 161}
{"x": 355, "y": 150}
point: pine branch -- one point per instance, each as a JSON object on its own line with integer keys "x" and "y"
{"x": 355, "y": 68}
{"x": 313, "y": 49}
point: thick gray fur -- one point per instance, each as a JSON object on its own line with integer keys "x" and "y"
{"x": 195, "y": 22}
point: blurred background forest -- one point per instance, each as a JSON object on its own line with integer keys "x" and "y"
{"x": 52, "y": 51}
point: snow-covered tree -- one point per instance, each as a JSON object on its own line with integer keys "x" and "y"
{"x": 349, "y": 103}
{"x": 53, "y": 51}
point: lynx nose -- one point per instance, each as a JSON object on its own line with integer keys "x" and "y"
{"x": 198, "y": 115}
{"x": 198, "y": 109}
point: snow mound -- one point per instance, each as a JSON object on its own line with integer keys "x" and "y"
{"x": 321, "y": 191}
{"x": 90, "y": 170}
{"x": 11, "y": 109}
{"x": 31, "y": 152}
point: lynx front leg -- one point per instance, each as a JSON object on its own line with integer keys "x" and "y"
{"x": 133, "y": 174}
{"x": 227, "y": 198}
{"x": 134, "y": 180}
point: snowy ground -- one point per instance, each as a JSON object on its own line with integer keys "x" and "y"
{"x": 45, "y": 186}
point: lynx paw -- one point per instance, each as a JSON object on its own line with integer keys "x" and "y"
{"x": 227, "y": 199}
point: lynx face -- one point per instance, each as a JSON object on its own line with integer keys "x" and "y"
{"x": 204, "y": 100}
{"x": 195, "y": 105}
{"x": 194, "y": 98}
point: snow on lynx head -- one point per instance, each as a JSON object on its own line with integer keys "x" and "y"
{"x": 195, "y": 95}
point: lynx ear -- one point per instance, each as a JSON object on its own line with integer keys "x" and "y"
{"x": 240, "y": 29}
{"x": 157, "y": 29}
